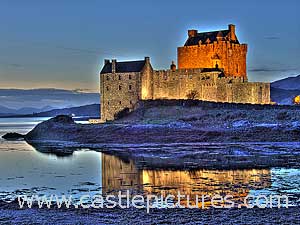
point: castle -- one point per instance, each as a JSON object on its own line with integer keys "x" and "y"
{"x": 211, "y": 67}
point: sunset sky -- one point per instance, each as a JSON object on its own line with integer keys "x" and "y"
{"x": 62, "y": 43}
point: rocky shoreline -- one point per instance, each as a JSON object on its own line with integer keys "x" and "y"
{"x": 182, "y": 137}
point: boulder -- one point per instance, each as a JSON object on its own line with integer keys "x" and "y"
{"x": 59, "y": 128}
{"x": 13, "y": 136}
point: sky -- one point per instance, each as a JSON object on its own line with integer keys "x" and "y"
{"x": 63, "y": 43}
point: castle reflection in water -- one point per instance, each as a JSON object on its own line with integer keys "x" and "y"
{"x": 118, "y": 174}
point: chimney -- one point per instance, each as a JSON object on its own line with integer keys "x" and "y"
{"x": 173, "y": 66}
{"x": 231, "y": 29}
{"x": 147, "y": 59}
{"x": 192, "y": 33}
{"x": 113, "y": 65}
{"x": 106, "y": 61}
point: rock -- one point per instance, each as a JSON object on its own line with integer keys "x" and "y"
{"x": 13, "y": 136}
{"x": 59, "y": 128}
{"x": 62, "y": 119}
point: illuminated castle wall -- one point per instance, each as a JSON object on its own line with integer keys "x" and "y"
{"x": 210, "y": 49}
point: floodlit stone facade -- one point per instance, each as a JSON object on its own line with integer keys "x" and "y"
{"x": 216, "y": 72}
{"x": 214, "y": 49}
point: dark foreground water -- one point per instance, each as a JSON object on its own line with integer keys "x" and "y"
{"x": 24, "y": 170}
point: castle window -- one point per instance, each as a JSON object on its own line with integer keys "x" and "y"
{"x": 120, "y": 102}
{"x": 107, "y": 88}
{"x": 129, "y": 77}
{"x": 119, "y": 77}
{"x": 130, "y": 87}
{"x": 130, "y": 102}
{"x": 107, "y": 103}
{"x": 120, "y": 87}
{"x": 107, "y": 77}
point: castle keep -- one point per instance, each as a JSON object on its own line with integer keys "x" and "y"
{"x": 214, "y": 49}
{"x": 211, "y": 67}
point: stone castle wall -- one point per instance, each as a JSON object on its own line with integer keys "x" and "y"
{"x": 209, "y": 86}
{"x": 118, "y": 91}
{"x": 124, "y": 90}
{"x": 229, "y": 56}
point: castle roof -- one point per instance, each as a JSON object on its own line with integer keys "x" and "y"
{"x": 211, "y": 36}
{"x": 124, "y": 67}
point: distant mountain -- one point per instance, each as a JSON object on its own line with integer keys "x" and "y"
{"x": 290, "y": 83}
{"x": 284, "y": 91}
{"x": 5, "y": 110}
{"x": 19, "y": 101}
{"x": 283, "y": 97}
{"x": 30, "y": 110}
{"x": 92, "y": 110}
{"x": 25, "y": 110}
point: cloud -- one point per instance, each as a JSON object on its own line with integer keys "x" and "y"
{"x": 272, "y": 38}
{"x": 266, "y": 69}
{"x": 14, "y": 65}
{"x": 85, "y": 90}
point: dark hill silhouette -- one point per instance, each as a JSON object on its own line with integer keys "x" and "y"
{"x": 284, "y": 91}
{"x": 92, "y": 111}
{"x": 290, "y": 83}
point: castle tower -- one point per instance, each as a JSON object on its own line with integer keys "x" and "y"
{"x": 214, "y": 49}
{"x": 123, "y": 84}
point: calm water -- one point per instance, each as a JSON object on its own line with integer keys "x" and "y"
{"x": 24, "y": 170}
